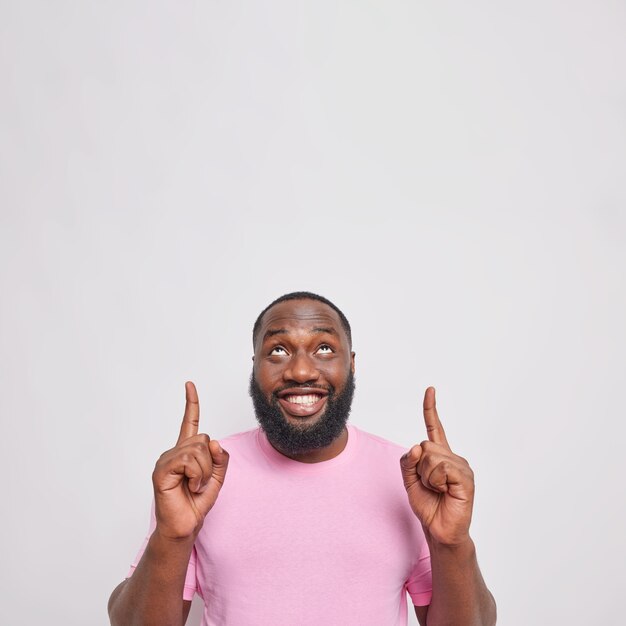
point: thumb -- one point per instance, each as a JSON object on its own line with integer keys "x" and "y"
{"x": 220, "y": 458}
{"x": 219, "y": 461}
{"x": 408, "y": 464}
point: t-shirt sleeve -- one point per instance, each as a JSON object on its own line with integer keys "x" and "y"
{"x": 420, "y": 582}
{"x": 191, "y": 582}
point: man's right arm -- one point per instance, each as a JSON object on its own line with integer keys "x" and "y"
{"x": 154, "y": 593}
{"x": 187, "y": 480}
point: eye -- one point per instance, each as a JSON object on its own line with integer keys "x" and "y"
{"x": 278, "y": 351}
{"x": 325, "y": 349}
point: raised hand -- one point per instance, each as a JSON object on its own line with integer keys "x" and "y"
{"x": 440, "y": 484}
{"x": 187, "y": 479}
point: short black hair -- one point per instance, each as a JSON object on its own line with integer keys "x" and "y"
{"x": 303, "y": 295}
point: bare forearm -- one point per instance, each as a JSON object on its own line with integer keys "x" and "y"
{"x": 460, "y": 596}
{"x": 153, "y": 595}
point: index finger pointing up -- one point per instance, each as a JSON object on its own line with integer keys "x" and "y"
{"x": 191, "y": 418}
{"x": 435, "y": 430}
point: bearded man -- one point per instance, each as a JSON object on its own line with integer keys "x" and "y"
{"x": 307, "y": 520}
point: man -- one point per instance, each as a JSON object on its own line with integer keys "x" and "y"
{"x": 316, "y": 524}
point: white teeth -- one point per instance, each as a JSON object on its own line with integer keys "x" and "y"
{"x": 311, "y": 399}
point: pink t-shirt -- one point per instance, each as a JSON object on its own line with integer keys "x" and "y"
{"x": 304, "y": 544}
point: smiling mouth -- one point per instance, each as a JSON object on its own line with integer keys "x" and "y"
{"x": 302, "y": 403}
{"x": 308, "y": 399}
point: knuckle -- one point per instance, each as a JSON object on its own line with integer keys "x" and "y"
{"x": 161, "y": 461}
{"x": 164, "y": 455}
{"x": 444, "y": 466}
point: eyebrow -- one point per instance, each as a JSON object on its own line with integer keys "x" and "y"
{"x": 283, "y": 331}
{"x": 271, "y": 332}
{"x": 330, "y": 331}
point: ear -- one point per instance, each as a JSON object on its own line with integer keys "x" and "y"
{"x": 352, "y": 356}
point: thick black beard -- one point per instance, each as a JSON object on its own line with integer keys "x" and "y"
{"x": 293, "y": 440}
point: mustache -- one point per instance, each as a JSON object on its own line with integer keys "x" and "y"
{"x": 328, "y": 388}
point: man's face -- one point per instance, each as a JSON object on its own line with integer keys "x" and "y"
{"x": 302, "y": 381}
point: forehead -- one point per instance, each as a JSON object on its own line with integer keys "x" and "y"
{"x": 300, "y": 315}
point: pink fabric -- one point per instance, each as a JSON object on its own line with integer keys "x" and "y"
{"x": 290, "y": 543}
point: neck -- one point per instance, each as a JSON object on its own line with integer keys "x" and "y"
{"x": 321, "y": 454}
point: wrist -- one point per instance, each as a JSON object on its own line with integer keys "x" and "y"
{"x": 463, "y": 548}
{"x": 160, "y": 538}
{"x": 178, "y": 530}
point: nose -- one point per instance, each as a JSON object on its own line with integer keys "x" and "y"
{"x": 301, "y": 369}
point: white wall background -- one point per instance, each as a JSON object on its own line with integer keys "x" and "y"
{"x": 452, "y": 174}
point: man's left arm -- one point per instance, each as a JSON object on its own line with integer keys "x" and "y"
{"x": 440, "y": 487}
